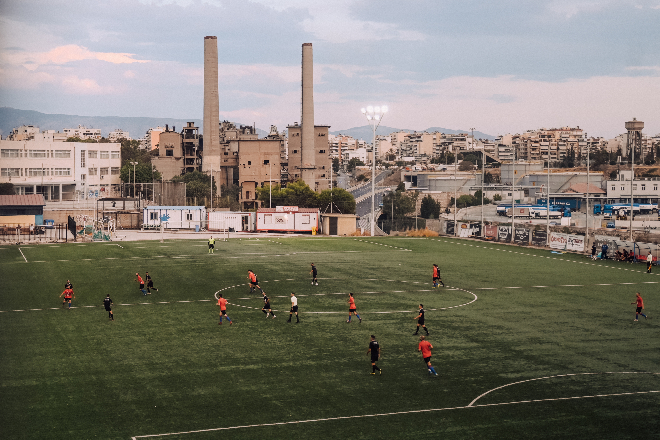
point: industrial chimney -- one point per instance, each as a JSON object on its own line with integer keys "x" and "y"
{"x": 211, "y": 104}
{"x": 307, "y": 116}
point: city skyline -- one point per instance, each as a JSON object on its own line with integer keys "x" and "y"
{"x": 501, "y": 68}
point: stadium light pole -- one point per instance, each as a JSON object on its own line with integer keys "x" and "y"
{"x": 374, "y": 115}
{"x": 547, "y": 208}
{"x": 586, "y": 240}
{"x": 133, "y": 163}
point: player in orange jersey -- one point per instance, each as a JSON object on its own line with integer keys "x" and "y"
{"x": 425, "y": 347}
{"x": 640, "y": 306}
{"x": 223, "y": 310}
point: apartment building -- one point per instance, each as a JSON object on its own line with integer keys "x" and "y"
{"x": 60, "y": 170}
{"x": 117, "y": 134}
{"x": 644, "y": 190}
{"x": 83, "y": 133}
{"x": 23, "y": 133}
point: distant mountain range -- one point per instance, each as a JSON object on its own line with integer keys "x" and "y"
{"x": 137, "y": 127}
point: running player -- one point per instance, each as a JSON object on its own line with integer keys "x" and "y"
{"x": 68, "y": 285}
{"x": 436, "y": 276}
{"x": 68, "y": 294}
{"x": 374, "y": 349}
{"x": 640, "y": 306}
{"x": 420, "y": 320}
{"x": 107, "y": 303}
{"x": 352, "y": 308}
{"x": 425, "y": 347}
{"x": 266, "y": 308}
{"x": 294, "y": 308}
{"x": 141, "y": 283}
{"x": 150, "y": 283}
{"x": 254, "y": 282}
{"x": 223, "y": 310}
{"x": 314, "y": 273}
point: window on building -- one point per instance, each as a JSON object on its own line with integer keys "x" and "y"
{"x": 249, "y": 162}
{"x": 169, "y": 152}
{"x": 623, "y": 188}
{"x": 92, "y": 171}
{"x": 305, "y": 219}
{"x": 635, "y": 187}
{"x": 105, "y": 155}
{"x": 9, "y": 152}
{"x": 266, "y": 162}
{"x": 268, "y": 219}
{"x": 82, "y": 158}
{"x": 322, "y": 151}
{"x": 114, "y": 171}
{"x": 643, "y": 187}
{"x": 62, "y": 171}
{"x": 613, "y": 187}
{"x": 153, "y": 216}
{"x": 226, "y": 153}
{"x": 10, "y": 172}
{"x": 36, "y": 172}
{"x": 92, "y": 154}
{"x": 295, "y": 151}
{"x": 83, "y": 176}
{"x": 62, "y": 154}
{"x": 189, "y": 216}
{"x": 38, "y": 153}
{"x": 655, "y": 187}
{"x": 104, "y": 171}
{"x": 114, "y": 155}
{"x": 247, "y": 195}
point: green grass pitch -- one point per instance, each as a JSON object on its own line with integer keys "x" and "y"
{"x": 527, "y": 343}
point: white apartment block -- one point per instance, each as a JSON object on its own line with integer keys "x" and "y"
{"x": 360, "y": 154}
{"x": 644, "y": 190}
{"x": 117, "y": 134}
{"x": 60, "y": 170}
{"x": 83, "y": 133}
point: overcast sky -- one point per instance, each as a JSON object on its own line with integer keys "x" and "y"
{"x": 502, "y": 66}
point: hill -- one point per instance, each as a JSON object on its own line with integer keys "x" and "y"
{"x": 366, "y": 133}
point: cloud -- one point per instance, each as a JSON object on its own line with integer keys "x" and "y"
{"x": 63, "y": 55}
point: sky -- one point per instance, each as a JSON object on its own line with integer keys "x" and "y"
{"x": 503, "y": 66}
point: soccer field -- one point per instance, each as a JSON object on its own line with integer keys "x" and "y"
{"x": 527, "y": 343}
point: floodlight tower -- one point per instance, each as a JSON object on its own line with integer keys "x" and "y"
{"x": 374, "y": 115}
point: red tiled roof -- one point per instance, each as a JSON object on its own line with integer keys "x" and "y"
{"x": 26, "y": 200}
{"x": 581, "y": 188}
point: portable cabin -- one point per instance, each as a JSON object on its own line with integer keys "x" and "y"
{"x": 177, "y": 217}
{"x": 288, "y": 219}
{"x": 234, "y": 221}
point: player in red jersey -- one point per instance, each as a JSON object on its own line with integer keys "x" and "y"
{"x": 640, "y": 306}
{"x": 68, "y": 294}
{"x": 141, "y": 283}
{"x": 436, "y": 276}
{"x": 254, "y": 282}
{"x": 223, "y": 310}
{"x": 425, "y": 347}
{"x": 352, "y": 308}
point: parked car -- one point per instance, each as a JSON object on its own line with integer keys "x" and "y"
{"x": 610, "y": 225}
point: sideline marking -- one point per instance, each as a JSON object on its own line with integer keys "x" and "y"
{"x": 559, "y": 375}
{"x": 418, "y": 411}
{"x": 19, "y": 249}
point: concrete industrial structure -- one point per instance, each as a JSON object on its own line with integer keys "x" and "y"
{"x": 211, "y": 144}
{"x": 309, "y": 153}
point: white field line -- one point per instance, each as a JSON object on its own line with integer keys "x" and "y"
{"x": 556, "y": 376}
{"x": 396, "y": 413}
{"x": 19, "y": 249}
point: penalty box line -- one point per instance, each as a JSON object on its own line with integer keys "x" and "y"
{"x": 419, "y": 411}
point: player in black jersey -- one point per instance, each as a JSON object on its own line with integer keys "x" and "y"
{"x": 266, "y": 308}
{"x": 374, "y": 349}
{"x": 314, "y": 272}
{"x": 420, "y": 320}
{"x": 150, "y": 283}
{"x": 68, "y": 285}
{"x": 107, "y": 303}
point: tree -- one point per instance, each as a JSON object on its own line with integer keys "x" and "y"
{"x": 143, "y": 173}
{"x": 295, "y": 194}
{"x": 7, "y": 189}
{"x": 488, "y": 178}
{"x": 477, "y": 197}
{"x": 429, "y": 208}
{"x": 229, "y": 197}
{"x": 355, "y": 162}
{"x": 600, "y": 157}
{"x": 465, "y": 165}
{"x": 497, "y": 198}
{"x": 335, "y": 165}
{"x": 398, "y": 202}
{"x": 569, "y": 159}
{"x": 77, "y": 139}
{"x": 390, "y": 155}
{"x": 341, "y": 200}
{"x": 198, "y": 185}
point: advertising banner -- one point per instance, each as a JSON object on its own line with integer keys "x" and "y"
{"x": 575, "y": 243}
{"x": 521, "y": 236}
{"x": 504, "y": 233}
{"x": 558, "y": 240}
{"x": 539, "y": 238}
{"x": 490, "y": 231}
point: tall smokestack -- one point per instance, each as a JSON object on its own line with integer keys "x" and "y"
{"x": 307, "y": 116}
{"x": 211, "y": 101}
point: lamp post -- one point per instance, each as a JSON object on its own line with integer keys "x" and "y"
{"x": 586, "y": 238}
{"x": 374, "y": 115}
{"x": 133, "y": 163}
